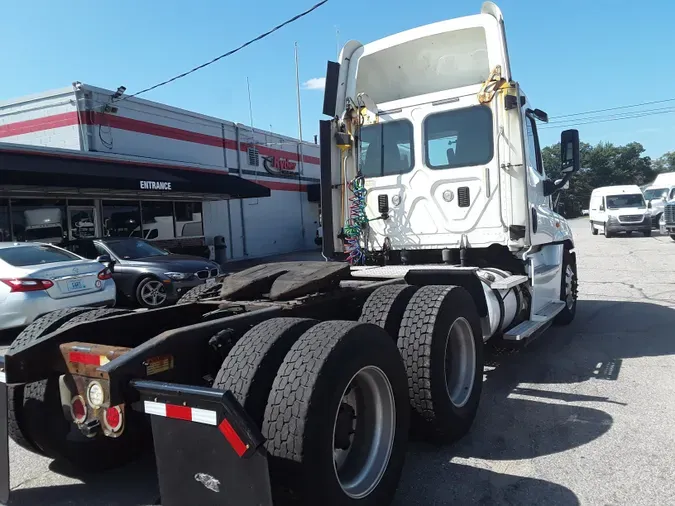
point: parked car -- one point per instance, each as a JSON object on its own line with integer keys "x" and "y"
{"x": 145, "y": 274}
{"x": 37, "y": 278}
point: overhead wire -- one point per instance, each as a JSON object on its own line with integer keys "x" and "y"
{"x": 613, "y": 108}
{"x": 606, "y": 119}
{"x": 229, "y": 53}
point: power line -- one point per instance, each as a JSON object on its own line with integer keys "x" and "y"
{"x": 588, "y": 121}
{"x": 259, "y": 37}
{"x": 614, "y": 108}
{"x": 609, "y": 116}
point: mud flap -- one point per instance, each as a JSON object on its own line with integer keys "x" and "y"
{"x": 4, "y": 441}
{"x": 208, "y": 451}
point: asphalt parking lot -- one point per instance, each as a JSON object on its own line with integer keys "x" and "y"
{"x": 582, "y": 416}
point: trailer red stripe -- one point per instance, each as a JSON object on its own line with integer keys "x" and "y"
{"x": 179, "y": 412}
{"x": 232, "y": 437}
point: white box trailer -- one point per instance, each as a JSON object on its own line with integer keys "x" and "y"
{"x": 84, "y": 118}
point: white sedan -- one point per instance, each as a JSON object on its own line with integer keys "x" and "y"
{"x": 37, "y": 278}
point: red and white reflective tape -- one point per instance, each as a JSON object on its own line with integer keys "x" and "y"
{"x": 181, "y": 412}
{"x": 198, "y": 415}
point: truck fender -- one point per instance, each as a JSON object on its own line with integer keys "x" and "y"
{"x": 461, "y": 276}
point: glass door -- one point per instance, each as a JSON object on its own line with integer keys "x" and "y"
{"x": 82, "y": 222}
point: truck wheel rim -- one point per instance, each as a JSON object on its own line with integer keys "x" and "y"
{"x": 460, "y": 362}
{"x": 363, "y": 432}
{"x": 569, "y": 287}
{"x": 153, "y": 293}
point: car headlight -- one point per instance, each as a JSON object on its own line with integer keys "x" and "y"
{"x": 177, "y": 276}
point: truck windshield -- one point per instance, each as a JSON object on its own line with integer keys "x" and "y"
{"x": 458, "y": 138}
{"x": 386, "y": 148}
{"x": 655, "y": 193}
{"x": 628, "y": 200}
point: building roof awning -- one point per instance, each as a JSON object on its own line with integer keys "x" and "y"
{"x": 26, "y": 169}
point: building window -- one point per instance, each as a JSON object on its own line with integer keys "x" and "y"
{"x": 5, "y": 222}
{"x": 121, "y": 218}
{"x": 158, "y": 220}
{"x": 39, "y": 220}
{"x": 189, "y": 219}
{"x": 253, "y": 156}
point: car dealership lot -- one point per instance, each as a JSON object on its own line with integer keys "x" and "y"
{"x": 583, "y": 416}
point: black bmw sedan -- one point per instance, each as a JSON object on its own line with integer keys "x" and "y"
{"x": 145, "y": 274}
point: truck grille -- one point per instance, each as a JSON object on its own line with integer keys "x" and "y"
{"x": 635, "y": 218}
{"x": 207, "y": 273}
{"x": 669, "y": 214}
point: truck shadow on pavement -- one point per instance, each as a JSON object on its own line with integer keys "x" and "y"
{"x": 529, "y": 409}
{"x": 519, "y": 420}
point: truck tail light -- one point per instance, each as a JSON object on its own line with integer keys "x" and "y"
{"x": 27, "y": 284}
{"x": 113, "y": 418}
{"x": 105, "y": 274}
{"x": 78, "y": 409}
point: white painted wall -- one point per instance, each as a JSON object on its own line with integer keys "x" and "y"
{"x": 150, "y": 131}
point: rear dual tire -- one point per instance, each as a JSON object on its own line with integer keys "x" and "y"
{"x": 301, "y": 372}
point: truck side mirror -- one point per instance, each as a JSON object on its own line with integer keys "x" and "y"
{"x": 569, "y": 151}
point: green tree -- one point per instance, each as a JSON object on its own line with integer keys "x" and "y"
{"x": 602, "y": 165}
{"x": 665, "y": 163}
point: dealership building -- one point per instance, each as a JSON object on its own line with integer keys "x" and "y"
{"x": 84, "y": 162}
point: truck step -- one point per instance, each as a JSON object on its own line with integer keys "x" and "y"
{"x": 510, "y": 282}
{"x": 525, "y": 330}
{"x": 548, "y": 311}
{"x": 539, "y": 322}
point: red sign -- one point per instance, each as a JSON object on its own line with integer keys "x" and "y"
{"x": 279, "y": 166}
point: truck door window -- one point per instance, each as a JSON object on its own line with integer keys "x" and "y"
{"x": 386, "y": 148}
{"x": 458, "y": 138}
{"x": 533, "y": 145}
{"x": 672, "y": 194}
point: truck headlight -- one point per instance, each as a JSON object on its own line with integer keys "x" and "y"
{"x": 177, "y": 276}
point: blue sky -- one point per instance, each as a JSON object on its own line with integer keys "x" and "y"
{"x": 569, "y": 56}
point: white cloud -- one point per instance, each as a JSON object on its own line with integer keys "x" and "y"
{"x": 316, "y": 83}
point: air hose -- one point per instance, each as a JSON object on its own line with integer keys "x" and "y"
{"x": 357, "y": 221}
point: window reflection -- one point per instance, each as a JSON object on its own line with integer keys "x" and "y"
{"x": 121, "y": 218}
{"x": 5, "y": 222}
{"x": 189, "y": 219}
{"x": 158, "y": 220}
{"x": 39, "y": 220}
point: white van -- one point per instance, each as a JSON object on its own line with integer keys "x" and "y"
{"x": 615, "y": 209}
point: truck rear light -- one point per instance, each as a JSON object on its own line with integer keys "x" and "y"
{"x": 95, "y": 394}
{"x": 105, "y": 274}
{"x": 28, "y": 284}
{"x": 113, "y": 418}
{"x": 78, "y": 409}
{"x": 80, "y": 357}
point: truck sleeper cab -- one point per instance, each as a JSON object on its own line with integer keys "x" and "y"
{"x": 619, "y": 209}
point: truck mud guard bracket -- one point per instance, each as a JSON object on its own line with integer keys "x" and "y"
{"x": 208, "y": 451}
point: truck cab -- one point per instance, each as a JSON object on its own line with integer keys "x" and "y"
{"x": 434, "y": 148}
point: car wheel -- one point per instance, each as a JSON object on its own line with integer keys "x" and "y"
{"x": 151, "y": 293}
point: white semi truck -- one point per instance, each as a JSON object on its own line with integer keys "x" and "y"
{"x": 298, "y": 382}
